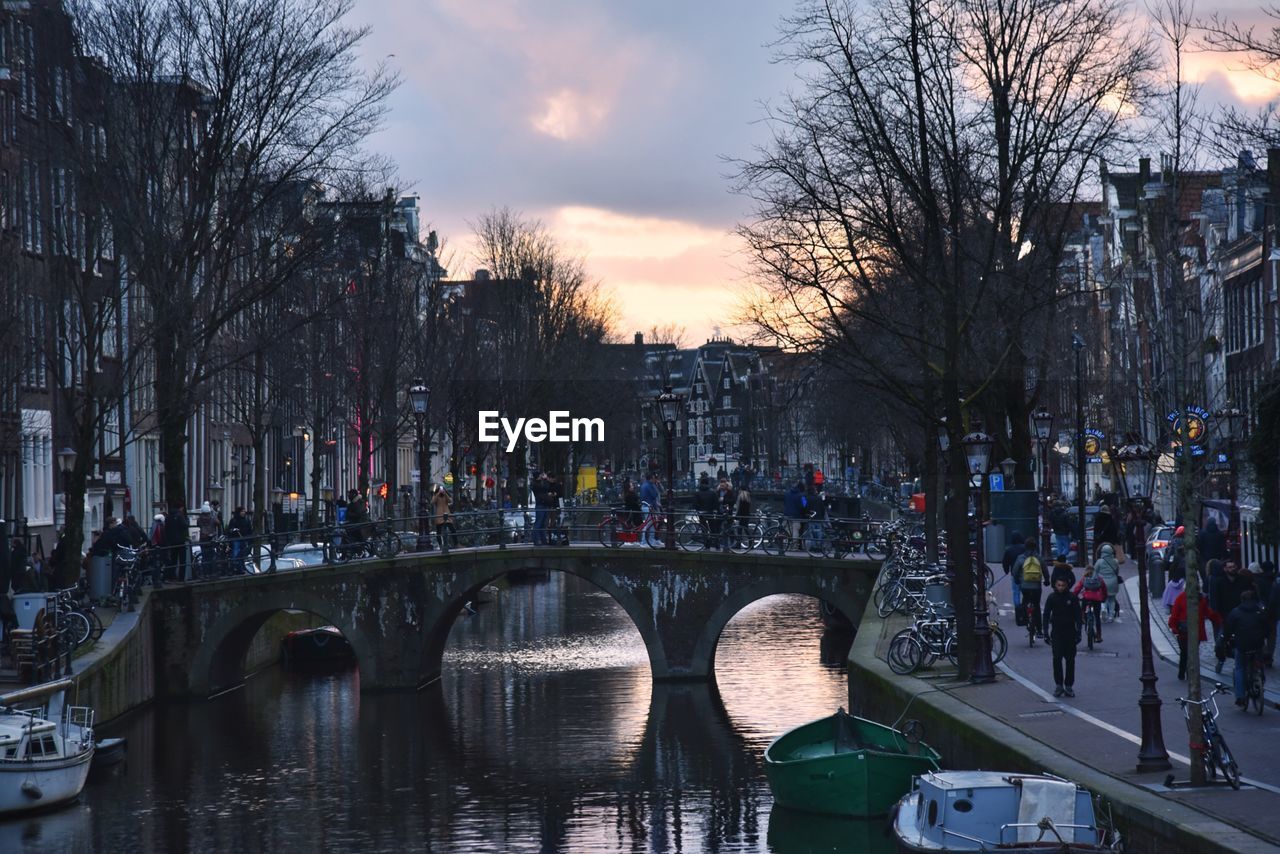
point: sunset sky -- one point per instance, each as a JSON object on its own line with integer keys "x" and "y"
{"x": 611, "y": 122}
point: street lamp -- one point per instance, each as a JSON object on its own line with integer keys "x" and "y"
{"x": 66, "y": 462}
{"x": 214, "y": 490}
{"x": 1009, "y": 468}
{"x": 419, "y": 397}
{"x": 1077, "y": 344}
{"x": 1137, "y": 465}
{"x": 1042, "y": 421}
{"x": 670, "y": 406}
{"x": 1232, "y": 420}
{"x": 977, "y": 452}
{"x": 326, "y": 495}
{"x": 277, "y": 521}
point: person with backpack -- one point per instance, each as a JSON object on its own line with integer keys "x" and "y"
{"x": 1062, "y": 621}
{"x": 1108, "y": 569}
{"x": 1092, "y": 592}
{"x": 1029, "y": 577}
{"x": 1016, "y": 549}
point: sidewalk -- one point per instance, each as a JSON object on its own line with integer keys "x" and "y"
{"x": 1094, "y": 737}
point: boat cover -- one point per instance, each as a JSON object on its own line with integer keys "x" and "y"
{"x": 1051, "y": 799}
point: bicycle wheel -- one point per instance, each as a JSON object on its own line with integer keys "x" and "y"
{"x": 609, "y": 534}
{"x": 894, "y": 592}
{"x": 81, "y": 629}
{"x": 1222, "y": 755}
{"x": 691, "y": 536}
{"x": 775, "y": 540}
{"x": 819, "y": 546}
{"x": 875, "y": 549}
{"x": 904, "y": 655}
{"x": 96, "y": 622}
{"x": 999, "y": 645}
{"x": 389, "y": 545}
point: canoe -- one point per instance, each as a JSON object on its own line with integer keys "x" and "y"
{"x": 844, "y": 765}
{"x": 319, "y": 645}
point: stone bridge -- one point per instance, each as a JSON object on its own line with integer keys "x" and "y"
{"x": 397, "y": 613}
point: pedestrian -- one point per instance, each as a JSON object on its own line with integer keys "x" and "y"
{"x": 1060, "y": 521}
{"x": 1105, "y": 529}
{"x": 137, "y": 538}
{"x": 634, "y": 516}
{"x": 1062, "y": 569}
{"x": 1211, "y": 544}
{"x": 651, "y": 502}
{"x": 1178, "y": 624}
{"x": 1108, "y": 569}
{"x": 156, "y": 535}
{"x": 815, "y": 504}
{"x": 1245, "y": 636}
{"x": 726, "y": 498}
{"x": 1016, "y": 549}
{"x": 743, "y": 506}
{"x": 793, "y": 507}
{"x": 442, "y": 518}
{"x": 1092, "y": 591}
{"x": 240, "y": 530}
{"x": 357, "y": 519}
{"x": 208, "y": 529}
{"x": 1028, "y": 575}
{"x": 706, "y": 503}
{"x": 541, "y": 508}
{"x": 175, "y": 539}
{"x": 1062, "y": 621}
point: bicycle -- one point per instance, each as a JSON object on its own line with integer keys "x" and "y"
{"x": 1092, "y": 628}
{"x": 616, "y": 529}
{"x": 1214, "y": 751}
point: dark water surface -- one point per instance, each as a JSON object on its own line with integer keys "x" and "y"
{"x": 545, "y": 734}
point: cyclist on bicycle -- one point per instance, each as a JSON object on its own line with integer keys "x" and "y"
{"x": 1029, "y": 576}
{"x": 1246, "y": 633}
{"x": 1092, "y": 591}
{"x": 357, "y": 516}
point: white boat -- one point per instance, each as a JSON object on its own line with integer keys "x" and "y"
{"x": 45, "y": 751}
{"x": 963, "y": 811}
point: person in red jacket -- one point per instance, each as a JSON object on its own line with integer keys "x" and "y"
{"x": 1092, "y": 591}
{"x": 1178, "y": 622}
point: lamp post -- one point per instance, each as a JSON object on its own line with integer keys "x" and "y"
{"x": 1137, "y": 464}
{"x": 670, "y": 406}
{"x": 420, "y": 396}
{"x": 66, "y": 462}
{"x": 1077, "y": 344}
{"x": 326, "y": 495}
{"x": 1042, "y": 421}
{"x": 1232, "y": 420}
{"x": 977, "y": 452}
{"x": 277, "y": 517}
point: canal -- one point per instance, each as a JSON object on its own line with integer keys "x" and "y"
{"x": 545, "y": 734}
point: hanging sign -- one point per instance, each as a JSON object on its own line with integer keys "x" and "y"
{"x": 1093, "y": 445}
{"x": 1196, "y": 429}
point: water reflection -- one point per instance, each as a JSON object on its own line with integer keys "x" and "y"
{"x": 545, "y": 734}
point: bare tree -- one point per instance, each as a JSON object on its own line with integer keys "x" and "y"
{"x": 219, "y": 107}
{"x": 913, "y": 192}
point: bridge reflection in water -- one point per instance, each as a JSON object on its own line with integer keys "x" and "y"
{"x": 546, "y": 733}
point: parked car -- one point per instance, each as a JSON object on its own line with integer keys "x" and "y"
{"x": 1158, "y": 543}
{"x": 301, "y": 554}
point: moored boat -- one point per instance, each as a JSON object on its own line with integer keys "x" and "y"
{"x": 844, "y": 765}
{"x": 972, "y": 811}
{"x": 44, "y": 752}
{"x": 322, "y": 644}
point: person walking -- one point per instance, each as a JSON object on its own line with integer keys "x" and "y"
{"x": 1062, "y": 621}
{"x": 1178, "y": 624}
{"x": 442, "y": 518}
{"x": 1060, "y": 522}
{"x": 175, "y": 539}
{"x": 1105, "y": 529}
{"x": 1245, "y": 636}
{"x": 651, "y": 495}
{"x": 542, "y": 504}
{"x": 1016, "y": 549}
{"x": 357, "y": 520}
{"x": 706, "y": 503}
{"x": 1211, "y": 543}
{"x": 1061, "y": 570}
{"x": 1029, "y": 576}
{"x": 1108, "y": 569}
{"x": 239, "y": 530}
{"x": 793, "y": 508}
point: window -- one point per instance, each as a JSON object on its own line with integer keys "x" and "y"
{"x": 726, "y": 381}
{"x": 33, "y": 375}
{"x": 37, "y": 466}
{"x": 726, "y": 401}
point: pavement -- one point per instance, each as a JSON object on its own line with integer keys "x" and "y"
{"x": 1100, "y": 726}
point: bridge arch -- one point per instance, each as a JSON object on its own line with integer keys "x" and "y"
{"x": 581, "y": 567}
{"x": 218, "y": 663}
{"x": 704, "y": 651}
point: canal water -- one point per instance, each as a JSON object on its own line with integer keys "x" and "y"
{"x": 545, "y": 734}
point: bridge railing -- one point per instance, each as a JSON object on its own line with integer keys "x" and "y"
{"x": 330, "y": 543}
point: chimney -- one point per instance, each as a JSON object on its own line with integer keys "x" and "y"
{"x": 481, "y": 275}
{"x": 1144, "y": 170}
{"x": 639, "y": 339}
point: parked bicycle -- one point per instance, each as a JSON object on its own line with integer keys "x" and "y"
{"x": 1214, "y": 751}
{"x": 618, "y": 528}
{"x": 380, "y": 542}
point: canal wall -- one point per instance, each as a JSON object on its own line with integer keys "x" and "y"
{"x": 967, "y": 738}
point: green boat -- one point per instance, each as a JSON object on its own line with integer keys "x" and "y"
{"x": 845, "y": 765}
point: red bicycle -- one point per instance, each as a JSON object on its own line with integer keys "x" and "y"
{"x": 616, "y": 529}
